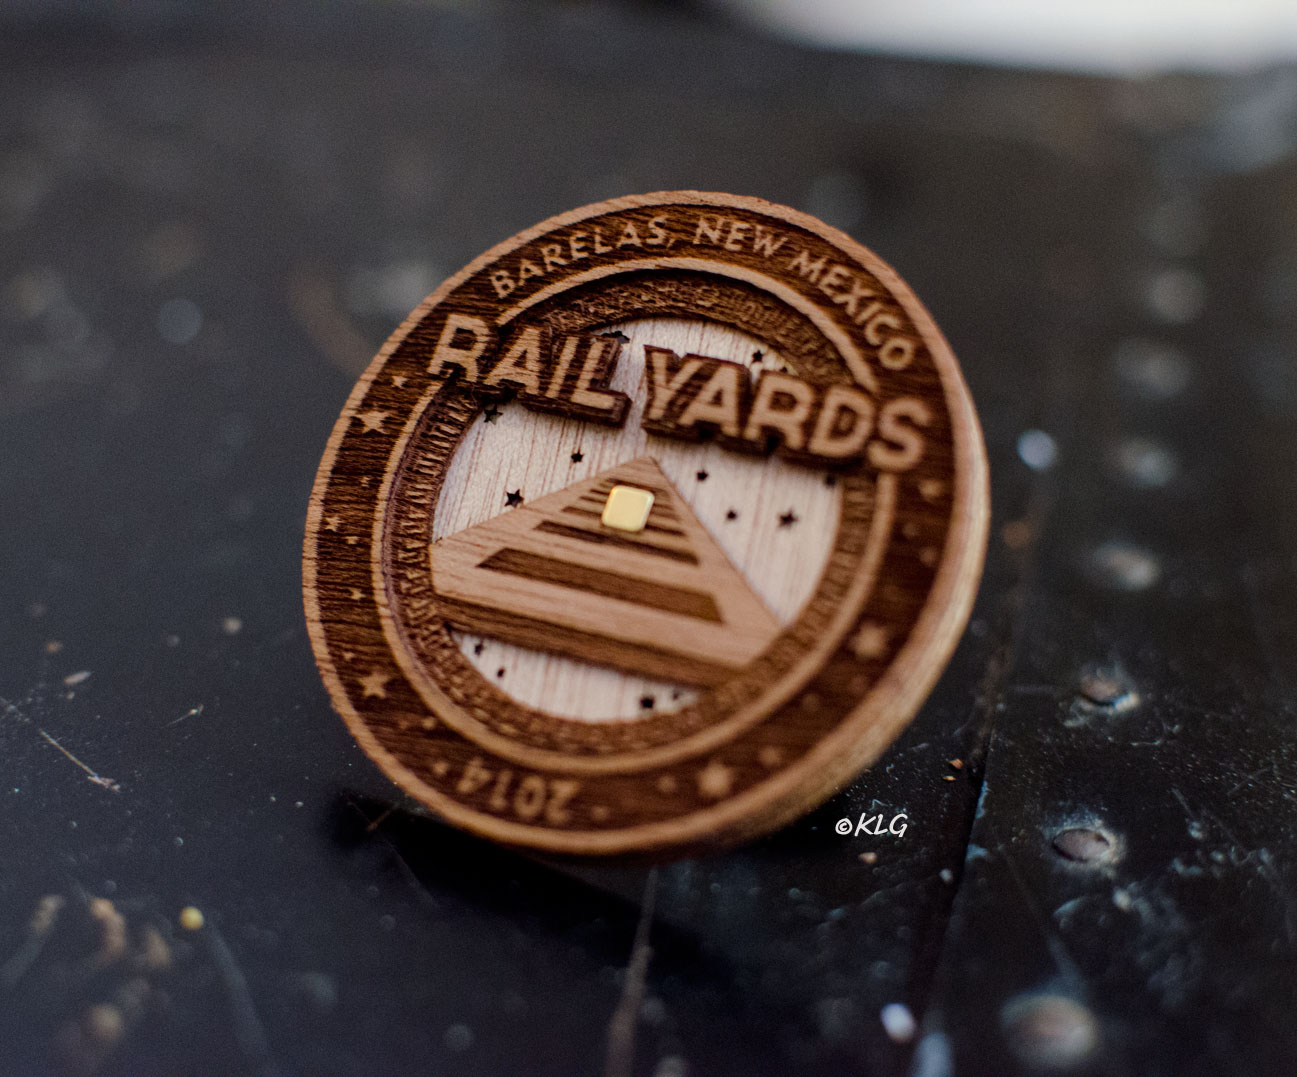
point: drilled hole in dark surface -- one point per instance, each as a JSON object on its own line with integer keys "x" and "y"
{"x": 1106, "y": 688}
{"x": 1084, "y": 845}
{"x": 1050, "y": 1032}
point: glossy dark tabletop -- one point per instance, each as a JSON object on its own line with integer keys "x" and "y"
{"x": 208, "y": 224}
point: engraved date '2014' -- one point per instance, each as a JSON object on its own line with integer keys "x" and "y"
{"x": 529, "y": 798}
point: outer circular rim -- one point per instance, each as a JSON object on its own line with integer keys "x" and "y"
{"x": 860, "y": 737}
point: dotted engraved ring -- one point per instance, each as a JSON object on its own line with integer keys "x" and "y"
{"x": 647, "y": 530}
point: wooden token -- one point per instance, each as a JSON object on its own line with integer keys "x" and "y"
{"x": 647, "y": 530}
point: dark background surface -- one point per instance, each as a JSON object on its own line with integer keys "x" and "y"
{"x": 210, "y": 222}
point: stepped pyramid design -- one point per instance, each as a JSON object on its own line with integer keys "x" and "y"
{"x": 664, "y": 602}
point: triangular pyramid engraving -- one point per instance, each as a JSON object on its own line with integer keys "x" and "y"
{"x": 664, "y": 602}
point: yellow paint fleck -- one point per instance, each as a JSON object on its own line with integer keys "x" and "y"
{"x": 191, "y": 919}
{"x": 104, "y": 1024}
{"x": 112, "y": 924}
{"x": 627, "y": 508}
{"x": 154, "y": 953}
{"x": 47, "y": 911}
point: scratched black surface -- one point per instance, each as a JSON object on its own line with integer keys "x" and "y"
{"x": 297, "y": 180}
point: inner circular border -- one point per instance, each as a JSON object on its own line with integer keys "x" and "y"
{"x": 455, "y": 690}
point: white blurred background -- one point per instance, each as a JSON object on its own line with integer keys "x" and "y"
{"x": 1109, "y": 36}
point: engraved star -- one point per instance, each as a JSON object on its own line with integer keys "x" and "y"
{"x": 787, "y": 519}
{"x": 731, "y": 515}
{"x": 399, "y": 380}
{"x": 352, "y": 540}
{"x": 578, "y": 456}
{"x": 479, "y": 647}
{"x": 870, "y": 641}
{"x": 374, "y": 684}
{"x": 513, "y": 498}
{"x": 332, "y": 523}
{"x": 647, "y": 702}
{"x": 357, "y": 594}
{"x": 932, "y": 489}
{"x": 757, "y": 357}
{"x": 715, "y": 780}
{"x": 701, "y": 476}
{"x": 490, "y": 413}
{"x": 372, "y": 420}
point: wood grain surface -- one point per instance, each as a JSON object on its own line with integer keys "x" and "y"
{"x": 872, "y": 416}
{"x": 738, "y": 499}
{"x": 666, "y": 603}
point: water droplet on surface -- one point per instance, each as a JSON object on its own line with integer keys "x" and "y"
{"x": 1144, "y": 463}
{"x": 1037, "y": 450}
{"x": 1155, "y": 370}
{"x": 179, "y": 321}
{"x": 1175, "y": 296}
{"x": 458, "y": 1038}
{"x": 1125, "y": 566}
{"x": 898, "y": 1022}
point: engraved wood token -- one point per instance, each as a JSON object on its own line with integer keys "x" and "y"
{"x": 647, "y": 530}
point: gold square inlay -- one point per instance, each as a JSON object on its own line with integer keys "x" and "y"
{"x": 627, "y": 508}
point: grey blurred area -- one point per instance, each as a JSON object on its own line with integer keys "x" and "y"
{"x": 213, "y": 215}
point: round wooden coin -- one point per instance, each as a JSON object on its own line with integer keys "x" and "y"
{"x": 647, "y": 530}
